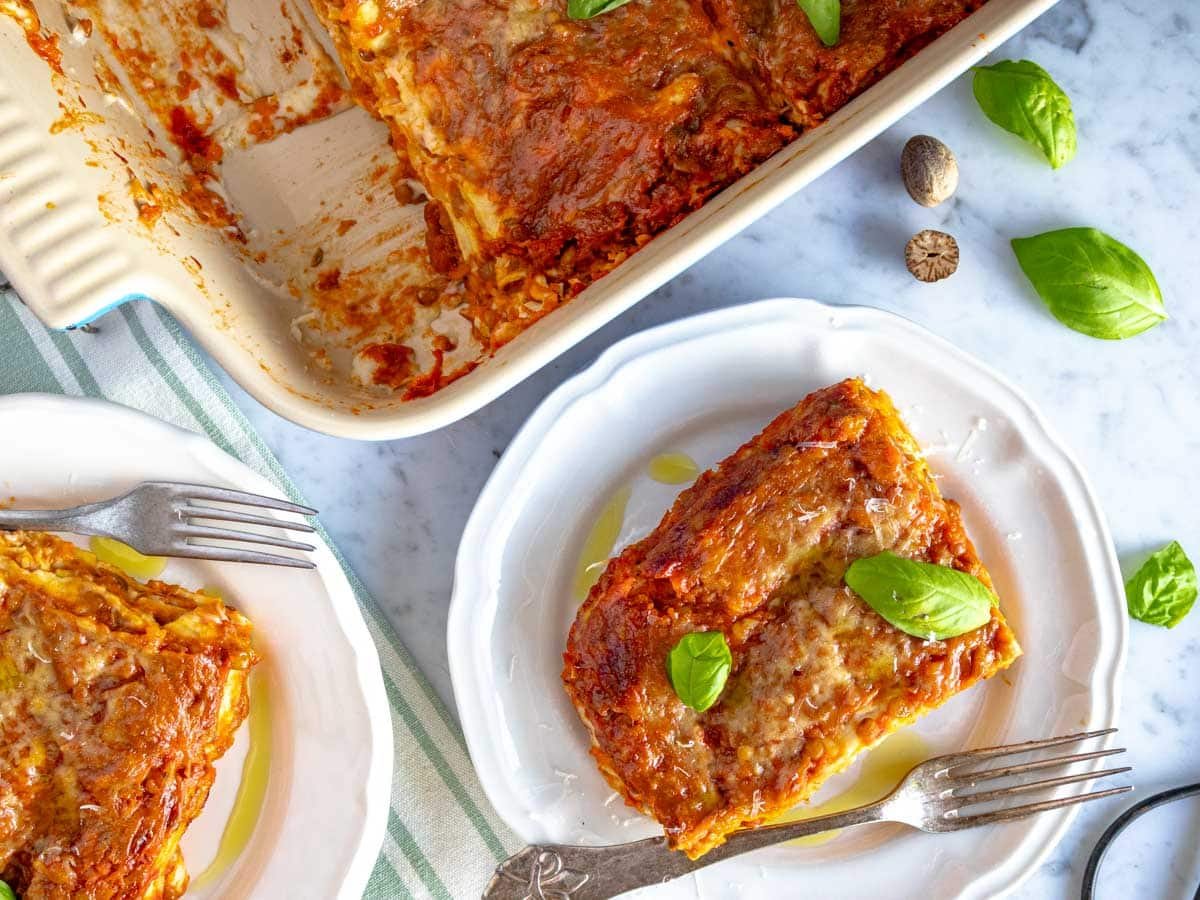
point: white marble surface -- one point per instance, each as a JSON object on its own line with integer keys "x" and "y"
{"x": 1130, "y": 410}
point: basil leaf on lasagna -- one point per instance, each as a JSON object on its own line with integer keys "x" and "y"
{"x": 921, "y": 599}
{"x": 826, "y": 18}
{"x": 1022, "y": 98}
{"x": 1164, "y": 589}
{"x": 698, "y": 667}
{"x": 6, "y": 893}
{"x": 1092, "y": 282}
{"x": 587, "y": 9}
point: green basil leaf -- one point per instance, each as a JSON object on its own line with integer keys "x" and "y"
{"x": 1163, "y": 590}
{"x": 698, "y": 667}
{"x": 1092, "y": 283}
{"x": 586, "y": 9}
{"x": 921, "y": 599}
{"x": 7, "y": 893}
{"x": 826, "y": 18}
{"x": 1021, "y": 97}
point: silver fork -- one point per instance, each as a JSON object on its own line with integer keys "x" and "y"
{"x": 158, "y": 518}
{"x": 931, "y": 797}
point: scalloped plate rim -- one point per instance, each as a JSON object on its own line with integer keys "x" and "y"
{"x": 471, "y": 568}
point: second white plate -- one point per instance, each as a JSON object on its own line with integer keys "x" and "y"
{"x": 325, "y": 802}
{"x": 703, "y": 386}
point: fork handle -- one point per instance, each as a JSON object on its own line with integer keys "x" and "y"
{"x": 77, "y": 520}
{"x": 597, "y": 873}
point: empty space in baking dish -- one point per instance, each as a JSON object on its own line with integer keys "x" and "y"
{"x": 224, "y": 137}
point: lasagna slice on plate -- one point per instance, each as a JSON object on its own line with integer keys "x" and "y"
{"x": 116, "y": 699}
{"x": 757, "y": 549}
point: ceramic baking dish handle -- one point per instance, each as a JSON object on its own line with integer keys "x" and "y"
{"x": 56, "y": 249}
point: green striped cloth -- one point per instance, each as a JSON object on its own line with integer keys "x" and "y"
{"x": 443, "y": 838}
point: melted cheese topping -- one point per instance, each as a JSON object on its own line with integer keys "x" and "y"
{"x": 757, "y": 549}
{"x": 116, "y": 699}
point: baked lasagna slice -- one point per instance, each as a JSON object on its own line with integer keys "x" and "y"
{"x": 116, "y": 698}
{"x": 552, "y": 148}
{"x": 813, "y": 80}
{"x": 757, "y": 550}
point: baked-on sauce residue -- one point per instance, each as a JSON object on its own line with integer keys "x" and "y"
{"x": 393, "y": 363}
{"x": 201, "y": 150}
{"x": 40, "y": 42}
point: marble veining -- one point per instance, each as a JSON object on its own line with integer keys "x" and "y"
{"x": 1130, "y": 410}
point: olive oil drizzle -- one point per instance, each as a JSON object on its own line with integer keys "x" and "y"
{"x": 128, "y": 560}
{"x": 667, "y": 468}
{"x": 252, "y": 791}
{"x": 600, "y": 542}
{"x": 673, "y": 468}
{"x": 882, "y": 769}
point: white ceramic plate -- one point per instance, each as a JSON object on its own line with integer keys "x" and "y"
{"x": 703, "y": 386}
{"x": 325, "y": 809}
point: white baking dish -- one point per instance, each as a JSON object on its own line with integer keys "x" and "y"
{"x": 70, "y": 259}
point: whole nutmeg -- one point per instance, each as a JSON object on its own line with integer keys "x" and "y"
{"x": 931, "y": 255}
{"x": 929, "y": 169}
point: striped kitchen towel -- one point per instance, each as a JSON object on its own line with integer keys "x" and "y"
{"x": 443, "y": 838}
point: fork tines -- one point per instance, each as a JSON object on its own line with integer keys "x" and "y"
{"x": 195, "y": 507}
{"x": 228, "y": 495}
{"x": 957, "y": 779}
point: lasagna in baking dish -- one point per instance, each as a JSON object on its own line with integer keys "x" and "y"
{"x": 551, "y": 148}
{"x": 116, "y": 699}
{"x": 757, "y": 549}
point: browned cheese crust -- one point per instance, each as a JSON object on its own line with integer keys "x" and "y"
{"x": 813, "y": 80}
{"x": 116, "y": 698}
{"x": 552, "y": 148}
{"x": 757, "y": 549}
